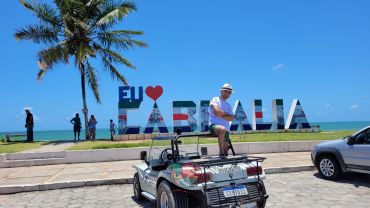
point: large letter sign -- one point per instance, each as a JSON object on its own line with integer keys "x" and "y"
{"x": 277, "y": 114}
{"x": 204, "y": 115}
{"x": 179, "y": 117}
{"x": 155, "y": 117}
{"x": 130, "y": 98}
{"x": 296, "y": 118}
{"x": 240, "y": 118}
{"x": 257, "y": 116}
{"x": 125, "y": 104}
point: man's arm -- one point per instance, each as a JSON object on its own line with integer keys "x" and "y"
{"x": 29, "y": 120}
{"x": 222, "y": 114}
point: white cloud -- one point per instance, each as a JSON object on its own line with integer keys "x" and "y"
{"x": 279, "y": 67}
{"x": 354, "y": 106}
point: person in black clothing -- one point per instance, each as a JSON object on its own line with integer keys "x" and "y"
{"x": 29, "y": 125}
{"x": 76, "y": 121}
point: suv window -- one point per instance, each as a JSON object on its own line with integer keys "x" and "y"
{"x": 363, "y": 137}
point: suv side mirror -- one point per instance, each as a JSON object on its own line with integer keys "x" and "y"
{"x": 351, "y": 140}
{"x": 143, "y": 155}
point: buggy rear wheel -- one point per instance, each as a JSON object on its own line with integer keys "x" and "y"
{"x": 262, "y": 202}
{"x": 171, "y": 197}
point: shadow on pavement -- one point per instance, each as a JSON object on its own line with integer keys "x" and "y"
{"x": 144, "y": 203}
{"x": 356, "y": 179}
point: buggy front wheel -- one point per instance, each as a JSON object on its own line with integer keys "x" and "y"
{"x": 137, "y": 187}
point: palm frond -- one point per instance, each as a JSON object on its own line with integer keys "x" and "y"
{"x": 37, "y": 34}
{"x": 44, "y": 13}
{"x": 114, "y": 73}
{"x": 83, "y": 52}
{"x": 50, "y": 56}
{"x": 41, "y": 73}
{"x": 125, "y": 33}
{"x": 120, "y": 40}
{"x": 93, "y": 81}
{"x": 113, "y": 12}
{"x": 113, "y": 56}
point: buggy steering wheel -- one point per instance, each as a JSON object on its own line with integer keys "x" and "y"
{"x": 166, "y": 157}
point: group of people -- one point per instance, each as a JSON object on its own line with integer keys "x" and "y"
{"x": 220, "y": 117}
{"x": 77, "y": 126}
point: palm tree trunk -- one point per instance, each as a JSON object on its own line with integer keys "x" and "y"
{"x": 84, "y": 109}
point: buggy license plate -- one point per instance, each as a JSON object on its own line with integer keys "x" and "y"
{"x": 235, "y": 191}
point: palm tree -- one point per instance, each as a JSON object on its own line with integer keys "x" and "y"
{"x": 81, "y": 30}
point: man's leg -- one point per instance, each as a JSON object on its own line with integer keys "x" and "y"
{"x": 94, "y": 131}
{"x": 220, "y": 132}
{"x": 227, "y": 143}
{"x": 28, "y": 134}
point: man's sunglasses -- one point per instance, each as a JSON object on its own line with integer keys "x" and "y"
{"x": 228, "y": 91}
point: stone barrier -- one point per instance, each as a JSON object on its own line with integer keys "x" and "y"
{"x": 119, "y": 154}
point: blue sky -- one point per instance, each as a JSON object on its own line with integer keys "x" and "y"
{"x": 316, "y": 51}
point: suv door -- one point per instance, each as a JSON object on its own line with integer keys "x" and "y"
{"x": 357, "y": 156}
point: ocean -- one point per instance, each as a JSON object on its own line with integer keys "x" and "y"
{"x": 58, "y": 135}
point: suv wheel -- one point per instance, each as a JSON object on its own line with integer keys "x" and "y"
{"x": 137, "y": 187}
{"x": 329, "y": 167}
{"x": 169, "y": 197}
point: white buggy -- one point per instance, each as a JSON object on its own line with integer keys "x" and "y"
{"x": 176, "y": 175}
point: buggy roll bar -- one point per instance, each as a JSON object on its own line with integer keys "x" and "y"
{"x": 176, "y": 155}
{"x": 175, "y": 142}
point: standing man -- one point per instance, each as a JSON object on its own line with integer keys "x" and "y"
{"x": 92, "y": 126}
{"x": 220, "y": 116}
{"x": 112, "y": 127}
{"x": 76, "y": 121}
{"x": 29, "y": 125}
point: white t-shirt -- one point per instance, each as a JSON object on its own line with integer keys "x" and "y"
{"x": 223, "y": 105}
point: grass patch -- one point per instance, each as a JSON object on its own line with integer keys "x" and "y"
{"x": 290, "y": 136}
{"x": 18, "y": 146}
{"x": 260, "y": 137}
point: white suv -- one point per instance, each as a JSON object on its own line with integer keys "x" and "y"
{"x": 349, "y": 154}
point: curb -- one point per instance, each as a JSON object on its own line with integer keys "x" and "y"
{"x": 11, "y": 160}
{"x": 289, "y": 169}
{"x": 75, "y": 184}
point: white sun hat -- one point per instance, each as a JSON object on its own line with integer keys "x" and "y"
{"x": 227, "y": 86}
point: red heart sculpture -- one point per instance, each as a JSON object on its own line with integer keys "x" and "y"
{"x": 154, "y": 92}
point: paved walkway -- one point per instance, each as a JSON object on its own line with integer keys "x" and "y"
{"x": 13, "y": 180}
{"x": 287, "y": 190}
{"x": 308, "y": 190}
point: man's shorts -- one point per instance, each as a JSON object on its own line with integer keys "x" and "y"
{"x": 76, "y": 129}
{"x": 212, "y": 130}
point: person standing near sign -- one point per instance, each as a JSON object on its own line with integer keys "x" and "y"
{"x": 92, "y": 127}
{"x": 76, "y": 121}
{"x": 220, "y": 116}
{"x": 112, "y": 129}
{"x": 29, "y": 125}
